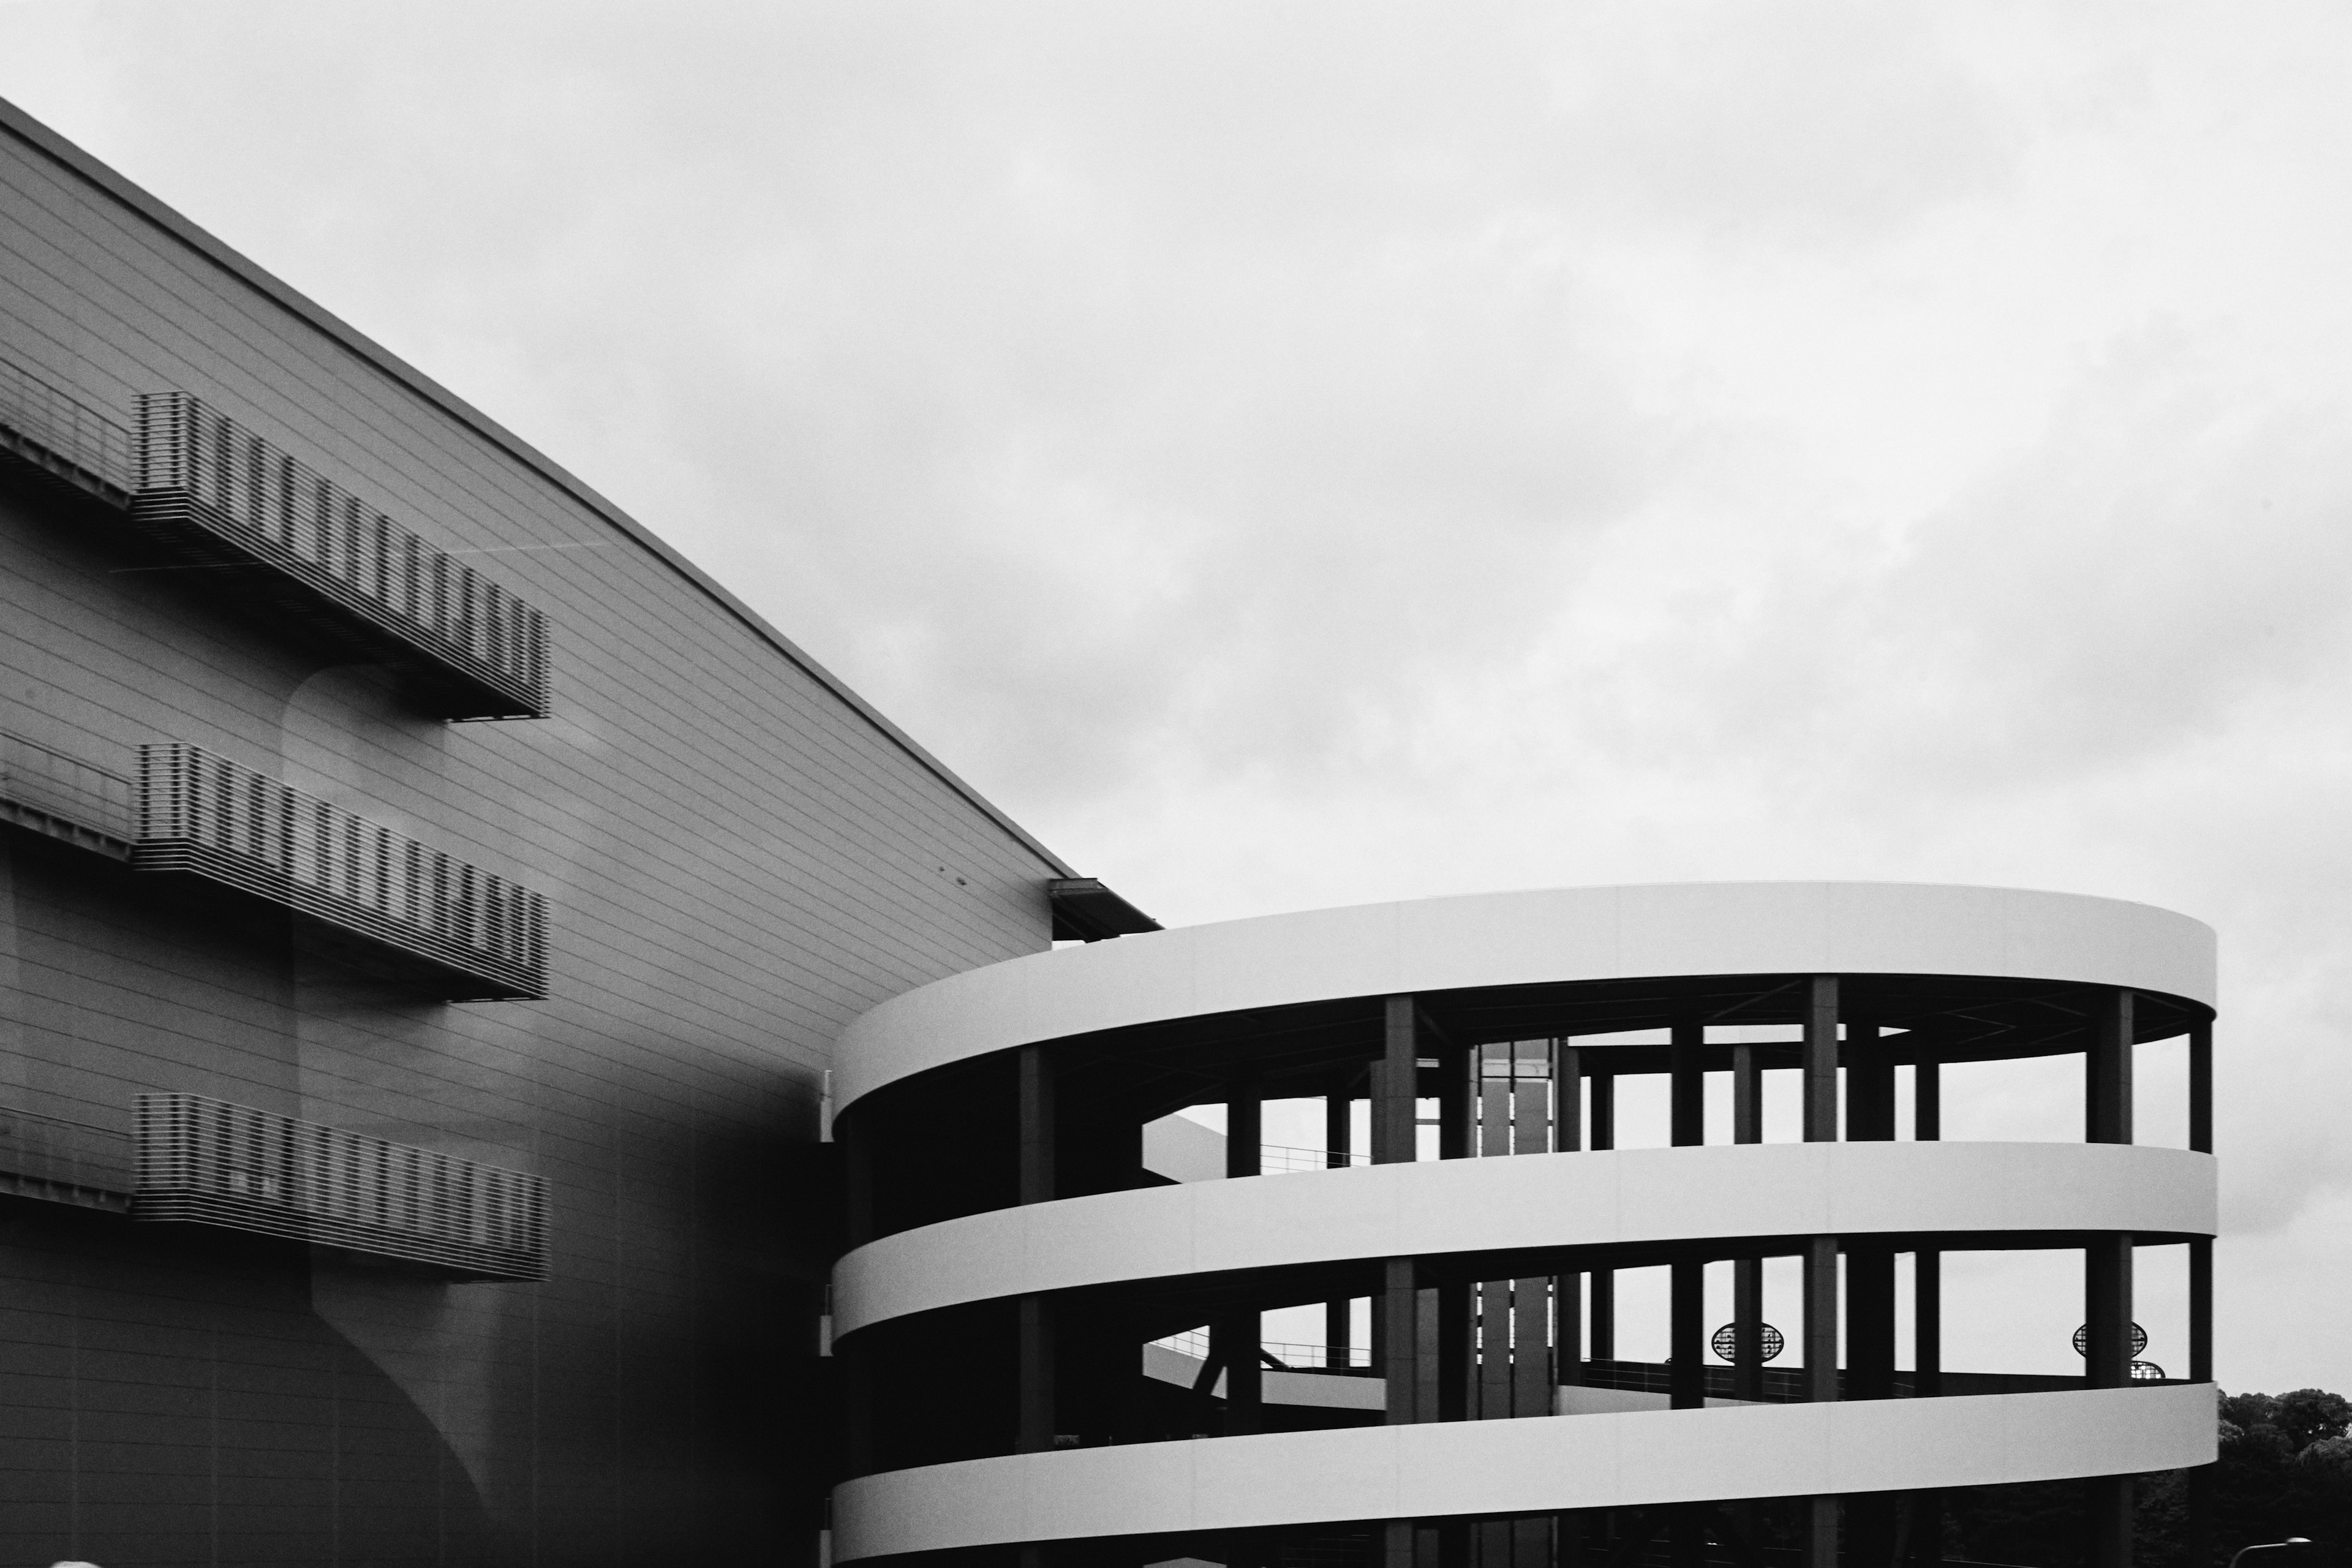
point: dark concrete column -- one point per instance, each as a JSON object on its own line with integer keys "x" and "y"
{"x": 1927, "y": 1267}
{"x": 2201, "y": 1288}
{"x": 1747, "y": 1273}
{"x": 1687, "y": 1089}
{"x": 1821, "y": 1060}
{"x": 1395, "y": 1088}
{"x": 1399, "y": 1348}
{"x": 1034, "y": 1331}
{"x": 1686, "y": 1335}
{"x": 1457, "y": 1104}
{"x": 1869, "y": 1268}
{"x": 2200, "y": 1087}
{"x": 1033, "y": 1316}
{"x": 1338, "y": 1137}
{"x": 2107, "y": 1070}
{"x": 1928, "y": 1312}
{"x": 1235, "y": 1338}
{"x": 1245, "y": 1123}
{"x": 1568, "y": 1290}
{"x": 2107, "y": 1270}
{"x": 1454, "y": 1350}
{"x": 1686, "y": 1282}
{"x": 1821, "y": 1325}
{"x": 1603, "y": 1308}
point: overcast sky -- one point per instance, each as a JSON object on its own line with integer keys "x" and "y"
{"x": 1294, "y": 454}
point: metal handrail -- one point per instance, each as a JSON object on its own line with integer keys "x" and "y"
{"x": 43, "y": 423}
{"x": 65, "y": 788}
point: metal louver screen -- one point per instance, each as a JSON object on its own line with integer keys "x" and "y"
{"x": 198, "y": 468}
{"x": 210, "y": 1161}
{"x": 205, "y": 816}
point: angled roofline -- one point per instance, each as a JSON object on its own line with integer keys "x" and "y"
{"x": 49, "y": 143}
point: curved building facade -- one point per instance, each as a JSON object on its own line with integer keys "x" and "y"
{"x": 1051, "y": 1341}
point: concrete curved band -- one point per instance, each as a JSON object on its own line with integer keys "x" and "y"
{"x": 1723, "y": 1192}
{"x": 1516, "y": 938}
{"x": 1752, "y": 1197}
{"x": 1536, "y": 1465}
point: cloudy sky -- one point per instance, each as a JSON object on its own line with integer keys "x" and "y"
{"x": 1304, "y": 453}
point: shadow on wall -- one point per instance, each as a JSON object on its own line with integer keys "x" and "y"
{"x": 166, "y": 1387}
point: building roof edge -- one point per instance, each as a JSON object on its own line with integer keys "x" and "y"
{"x": 47, "y": 142}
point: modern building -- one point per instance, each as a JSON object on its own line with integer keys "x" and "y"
{"x": 431, "y": 914}
{"x": 427, "y": 906}
{"x": 1011, "y": 1248}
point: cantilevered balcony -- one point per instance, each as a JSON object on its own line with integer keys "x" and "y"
{"x": 54, "y": 433}
{"x": 475, "y": 935}
{"x": 61, "y": 797}
{"x": 64, "y": 1162}
{"x": 203, "y": 1161}
{"x": 273, "y": 538}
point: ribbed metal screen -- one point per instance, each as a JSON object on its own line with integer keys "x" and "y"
{"x": 200, "y": 473}
{"x": 210, "y": 1161}
{"x": 205, "y": 816}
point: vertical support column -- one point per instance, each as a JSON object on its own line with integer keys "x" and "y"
{"x": 1747, "y": 1273}
{"x": 1927, "y": 1267}
{"x": 1927, "y": 1309}
{"x": 1396, "y": 1088}
{"x": 1454, "y": 1350}
{"x": 1446, "y": 1394}
{"x": 1339, "y": 1136}
{"x": 1686, "y": 1335}
{"x": 1603, "y": 1133}
{"x": 1245, "y": 1123}
{"x": 1821, "y": 1326}
{"x": 2107, "y": 1270}
{"x": 2107, "y": 1070}
{"x": 1399, "y": 1348}
{"x": 1034, "y": 1319}
{"x": 1820, "y": 1060}
{"x": 1396, "y": 1314}
{"x": 1869, "y": 1268}
{"x": 1457, "y": 1108}
{"x": 1686, "y": 1090}
{"x": 1568, "y": 1290}
{"x": 1872, "y": 1519}
{"x": 1686, "y": 1282}
{"x": 1532, "y": 1362}
{"x": 1235, "y": 1336}
{"x": 2201, "y": 1288}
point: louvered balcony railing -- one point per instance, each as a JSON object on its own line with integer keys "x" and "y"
{"x": 479, "y": 935}
{"x": 275, "y": 538}
{"x": 203, "y": 1161}
{"x": 218, "y": 493}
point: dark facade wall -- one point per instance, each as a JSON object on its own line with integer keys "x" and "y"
{"x": 738, "y": 861}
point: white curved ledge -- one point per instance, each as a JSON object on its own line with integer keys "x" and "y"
{"x": 1635, "y": 1458}
{"x": 1515, "y": 939}
{"x": 1611, "y": 1198}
